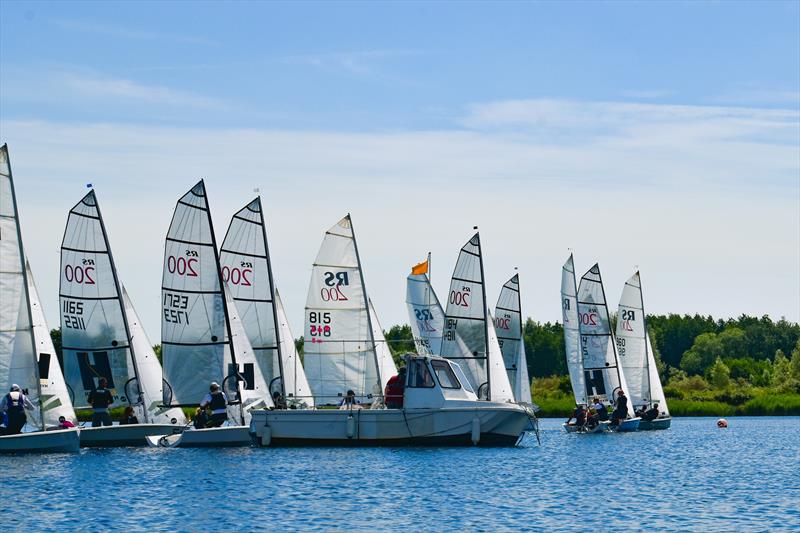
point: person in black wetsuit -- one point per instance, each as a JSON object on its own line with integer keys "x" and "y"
{"x": 579, "y": 414}
{"x": 128, "y": 417}
{"x": 101, "y": 398}
{"x": 651, "y": 414}
{"x": 621, "y": 410}
{"x": 13, "y": 405}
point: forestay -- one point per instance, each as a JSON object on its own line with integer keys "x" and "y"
{"x": 634, "y": 349}
{"x": 425, "y": 314}
{"x": 295, "y": 381}
{"x": 149, "y": 369}
{"x": 339, "y": 345}
{"x": 18, "y": 362}
{"x": 196, "y": 349}
{"x": 569, "y": 313}
{"x": 55, "y": 396}
{"x": 508, "y": 325}
{"x": 602, "y": 374}
{"x": 465, "y": 319}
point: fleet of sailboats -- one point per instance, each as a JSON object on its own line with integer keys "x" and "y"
{"x": 223, "y": 323}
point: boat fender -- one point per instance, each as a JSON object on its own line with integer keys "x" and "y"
{"x": 266, "y": 435}
{"x": 722, "y": 423}
{"x": 476, "y": 430}
{"x": 351, "y": 426}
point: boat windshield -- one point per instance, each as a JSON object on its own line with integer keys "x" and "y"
{"x": 447, "y": 379}
{"x": 461, "y": 377}
{"x": 418, "y": 374}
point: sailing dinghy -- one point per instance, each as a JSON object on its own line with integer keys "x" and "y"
{"x": 636, "y": 355}
{"x": 23, "y": 359}
{"x": 569, "y": 314}
{"x": 344, "y": 350}
{"x": 102, "y": 335}
{"x": 202, "y": 334}
{"x": 508, "y": 324}
{"x": 601, "y": 366}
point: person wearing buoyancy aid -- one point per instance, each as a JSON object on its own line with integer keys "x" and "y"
{"x": 395, "y": 387}
{"x": 13, "y": 405}
{"x": 217, "y": 401}
{"x": 101, "y": 398}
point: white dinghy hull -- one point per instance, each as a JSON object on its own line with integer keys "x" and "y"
{"x": 54, "y": 441}
{"x": 487, "y": 424}
{"x": 222, "y": 437}
{"x": 124, "y": 435}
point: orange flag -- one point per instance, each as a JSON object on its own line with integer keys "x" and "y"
{"x": 421, "y": 268}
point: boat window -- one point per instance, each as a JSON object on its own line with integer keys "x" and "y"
{"x": 461, "y": 377}
{"x": 418, "y": 374}
{"x": 447, "y": 379}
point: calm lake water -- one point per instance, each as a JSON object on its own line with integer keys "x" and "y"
{"x": 691, "y": 477}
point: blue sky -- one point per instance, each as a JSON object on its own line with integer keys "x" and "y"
{"x": 664, "y": 135}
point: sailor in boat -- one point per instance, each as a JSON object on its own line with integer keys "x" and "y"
{"x": 579, "y": 414}
{"x": 621, "y": 410}
{"x": 13, "y": 405}
{"x": 217, "y": 401}
{"x": 278, "y": 400}
{"x": 101, "y": 398}
{"x": 395, "y": 388}
{"x": 651, "y": 414}
{"x": 598, "y": 414}
{"x": 349, "y": 401}
{"x": 128, "y": 417}
{"x": 63, "y": 423}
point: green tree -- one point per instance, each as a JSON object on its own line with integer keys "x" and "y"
{"x": 401, "y": 341}
{"x": 794, "y": 363}
{"x": 157, "y": 350}
{"x": 706, "y": 349}
{"x": 781, "y": 371}
{"x": 734, "y": 342}
{"x": 719, "y": 374}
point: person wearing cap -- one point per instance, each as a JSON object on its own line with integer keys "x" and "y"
{"x": 13, "y": 405}
{"x": 651, "y": 414}
{"x": 101, "y": 398}
{"x": 217, "y": 401}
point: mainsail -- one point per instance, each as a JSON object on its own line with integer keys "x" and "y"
{"x": 634, "y": 349}
{"x": 295, "y": 381}
{"x": 197, "y": 345}
{"x": 247, "y": 269}
{"x": 569, "y": 311}
{"x": 96, "y": 334}
{"x": 465, "y": 318}
{"x": 18, "y": 361}
{"x": 424, "y": 312}
{"x": 340, "y": 351}
{"x": 508, "y": 325}
{"x": 55, "y": 396}
{"x": 602, "y": 373}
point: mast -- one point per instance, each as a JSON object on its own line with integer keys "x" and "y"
{"x": 521, "y": 347}
{"x": 485, "y": 323}
{"x": 122, "y": 305}
{"x": 274, "y": 307}
{"x": 26, "y": 292}
{"x": 366, "y": 304}
{"x": 612, "y": 338}
{"x": 646, "y": 354}
{"x": 224, "y": 306}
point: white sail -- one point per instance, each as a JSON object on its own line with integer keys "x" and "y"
{"x": 602, "y": 371}
{"x": 339, "y": 346}
{"x": 18, "y": 362}
{"x": 508, "y": 325}
{"x": 245, "y": 262}
{"x": 569, "y": 313}
{"x": 55, "y": 396}
{"x": 196, "y": 348}
{"x": 295, "y": 381}
{"x": 499, "y": 386}
{"x": 253, "y": 388}
{"x": 425, "y": 314}
{"x": 386, "y": 366}
{"x": 149, "y": 369}
{"x": 465, "y": 318}
{"x": 634, "y": 350}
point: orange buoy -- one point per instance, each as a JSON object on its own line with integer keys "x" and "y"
{"x": 722, "y": 423}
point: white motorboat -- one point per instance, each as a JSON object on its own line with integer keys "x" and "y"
{"x": 440, "y": 409}
{"x": 27, "y": 357}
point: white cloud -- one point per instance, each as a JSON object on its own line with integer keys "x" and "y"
{"x": 110, "y": 30}
{"x": 705, "y": 200}
{"x": 126, "y": 89}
